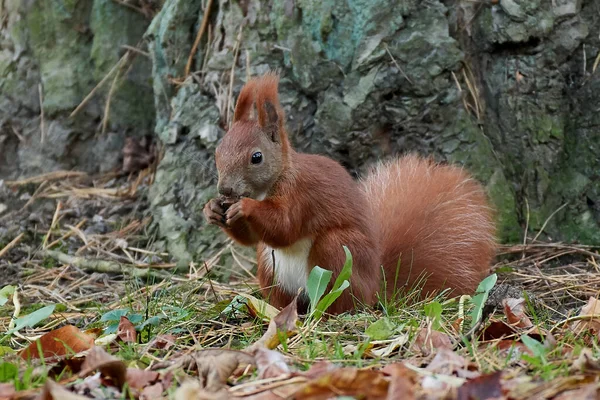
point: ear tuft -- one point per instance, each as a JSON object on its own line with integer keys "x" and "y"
{"x": 245, "y": 101}
{"x": 270, "y": 115}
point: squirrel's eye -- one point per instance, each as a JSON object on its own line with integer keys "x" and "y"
{"x": 257, "y": 158}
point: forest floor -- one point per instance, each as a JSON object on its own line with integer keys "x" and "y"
{"x": 79, "y": 270}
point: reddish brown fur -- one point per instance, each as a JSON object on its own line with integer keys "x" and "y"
{"x": 436, "y": 220}
{"x": 410, "y": 206}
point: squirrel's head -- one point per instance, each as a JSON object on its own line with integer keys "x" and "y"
{"x": 254, "y": 152}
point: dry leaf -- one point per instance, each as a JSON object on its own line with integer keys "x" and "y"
{"x": 514, "y": 309}
{"x": 126, "y": 330}
{"x": 152, "y": 392}
{"x": 587, "y": 392}
{"x": 259, "y": 308}
{"x": 214, "y": 366}
{"x": 318, "y": 369}
{"x": 402, "y": 382}
{"x": 497, "y": 330}
{"x": 429, "y": 339}
{"x": 592, "y": 324}
{"x": 345, "y": 382}
{"x": 6, "y": 390}
{"x": 111, "y": 368}
{"x": 270, "y": 363}
{"x": 54, "y": 391}
{"x": 193, "y": 390}
{"x": 586, "y": 362}
{"x": 163, "y": 342}
{"x": 59, "y": 342}
{"x": 512, "y": 348}
{"x": 139, "y": 378}
{"x": 284, "y": 323}
{"x": 447, "y": 362}
{"x": 483, "y": 387}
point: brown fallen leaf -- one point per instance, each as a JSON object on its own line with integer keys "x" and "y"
{"x": 214, "y": 366}
{"x": 402, "y": 382}
{"x": 513, "y": 349}
{"x": 54, "y": 391}
{"x": 152, "y": 392}
{"x": 588, "y": 392}
{"x": 139, "y": 378}
{"x": 7, "y": 390}
{"x": 447, "y": 362}
{"x": 429, "y": 339}
{"x": 497, "y": 330}
{"x": 270, "y": 363}
{"x": 482, "y": 387}
{"x": 345, "y": 382}
{"x": 163, "y": 342}
{"x": 592, "y": 308}
{"x": 586, "y": 362}
{"x": 59, "y": 342}
{"x": 514, "y": 309}
{"x": 111, "y": 368}
{"x": 194, "y": 390}
{"x": 317, "y": 369}
{"x": 126, "y": 330}
{"x": 284, "y": 323}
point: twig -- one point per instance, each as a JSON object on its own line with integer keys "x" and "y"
{"x": 547, "y": 220}
{"x": 46, "y": 177}
{"x": 111, "y": 91}
{"x": 98, "y": 86}
{"x": 212, "y": 288}
{"x": 199, "y": 35}
{"x": 103, "y": 266}
{"x": 136, "y": 50}
{"x": 232, "y": 75}
{"x": 54, "y": 219}
{"x": 12, "y": 244}
{"x": 398, "y": 65}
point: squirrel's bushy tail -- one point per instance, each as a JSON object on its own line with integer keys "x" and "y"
{"x": 434, "y": 218}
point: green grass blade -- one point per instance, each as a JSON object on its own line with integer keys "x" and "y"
{"x": 483, "y": 291}
{"x": 317, "y": 283}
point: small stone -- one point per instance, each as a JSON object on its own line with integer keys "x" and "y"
{"x": 513, "y": 9}
{"x": 566, "y": 8}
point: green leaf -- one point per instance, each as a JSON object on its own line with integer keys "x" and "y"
{"x": 483, "y": 291}
{"x": 346, "y": 270}
{"x": 317, "y": 283}
{"x": 536, "y": 347}
{"x": 8, "y": 372}
{"x": 434, "y": 311}
{"x": 32, "y": 319}
{"x": 5, "y": 292}
{"x": 380, "y": 329}
{"x": 154, "y": 321}
{"x": 328, "y": 300}
{"x": 114, "y": 315}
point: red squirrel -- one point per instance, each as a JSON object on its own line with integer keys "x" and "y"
{"x": 408, "y": 220}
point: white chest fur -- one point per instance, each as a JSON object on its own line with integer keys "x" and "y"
{"x": 291, "y": 264}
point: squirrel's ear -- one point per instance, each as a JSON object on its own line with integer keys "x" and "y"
{"x": 268, "y": 119}
{"x": 245, "y": 101}
{"x": 270, "y": 114}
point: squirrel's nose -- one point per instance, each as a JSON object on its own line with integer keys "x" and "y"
{"x": 225, "y": 190}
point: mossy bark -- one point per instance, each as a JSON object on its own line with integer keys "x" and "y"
{"x": 500, "y": 89}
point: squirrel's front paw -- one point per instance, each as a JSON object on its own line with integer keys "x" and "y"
{"x": 214, "y": 213}
{"x": 237, "y": 211}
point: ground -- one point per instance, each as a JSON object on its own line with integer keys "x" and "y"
{"x": 81, "y": 265}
